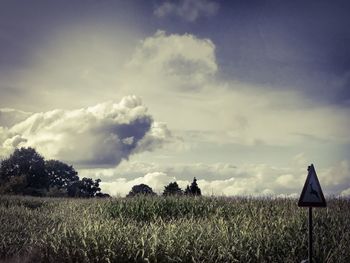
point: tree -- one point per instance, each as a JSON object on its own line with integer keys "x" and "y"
{"x": 193, "y": 190}
{"x": 27, "y": 164}
{"x": 172, "y": 189}
{"x": 187, "y": 190}
{"x": 84, "y": 188}
{"x": 102, "y": 195}
{"x": 15, "y": 185}
{"x": 60, "y": 175}
{"x": 141, "y": 189}
{"x": 26, "y": 172}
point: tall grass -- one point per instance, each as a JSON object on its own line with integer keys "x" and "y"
{"x": 172, "y": 229}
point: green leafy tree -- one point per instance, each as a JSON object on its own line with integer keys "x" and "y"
{"x": 85, "y": 188}
{"x": 57, "y": 192}
{"x": 172, "y": 189}
{"x": 60, "y": 175}
{"x": 24, "y": 169}
{"x": 14, "y": 186}
{"x": 102, "y": 195}
{"x": 26, "y": 172}
{"x": 141, "y": 189}
{"x": 193, "y": 190}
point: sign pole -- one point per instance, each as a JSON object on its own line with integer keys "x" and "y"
{"x": 310, "y": 234}
{"x": 311, "y": 196}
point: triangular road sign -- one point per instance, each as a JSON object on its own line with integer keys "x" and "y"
{"x": 312, "y": 194}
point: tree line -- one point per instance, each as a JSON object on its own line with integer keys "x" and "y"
{"x": 26, "y": 172}
{"x": 171, "y": 189}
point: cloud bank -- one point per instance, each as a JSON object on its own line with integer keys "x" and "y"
{"x": 224, "y": 178}
{"x": 101, "y": 135}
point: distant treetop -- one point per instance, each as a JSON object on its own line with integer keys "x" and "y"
{"x": 172, "y": 189}
{"x": 193, "y": 190}
{"x": 141, "y": 189}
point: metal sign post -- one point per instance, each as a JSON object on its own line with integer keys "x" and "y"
{"x": 311, "y": 196}
{"x": 310, "y": 234}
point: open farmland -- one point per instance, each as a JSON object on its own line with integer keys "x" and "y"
{"x": 172, "y": 229}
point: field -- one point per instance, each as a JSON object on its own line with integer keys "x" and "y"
{"x": 170, "y": 229}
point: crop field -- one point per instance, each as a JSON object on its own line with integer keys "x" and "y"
{"x": 172, "y": 229}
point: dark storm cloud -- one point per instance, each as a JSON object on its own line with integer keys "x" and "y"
{"x": 117, "y": 142}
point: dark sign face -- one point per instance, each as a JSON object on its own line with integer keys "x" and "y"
{"x": 312, "y": 195}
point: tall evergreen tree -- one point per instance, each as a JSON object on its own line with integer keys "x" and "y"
{"x": 172, "y": 189}
{"x": 193, "y": 190}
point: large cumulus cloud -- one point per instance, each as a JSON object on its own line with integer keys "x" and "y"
{"x": 101, "y": 135}
{"x": 172, "y": 61}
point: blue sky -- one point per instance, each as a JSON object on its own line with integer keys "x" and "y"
{"x": 241, "y": 94}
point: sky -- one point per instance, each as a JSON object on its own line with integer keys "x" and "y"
{"x": 242, "y": 95}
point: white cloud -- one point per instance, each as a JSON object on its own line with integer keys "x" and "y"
{"x": 176, "y": 76}
{"x": 4, "y": 149}
{"x": 133, "y": 169}
{"x": 220, "y": 178}
{"x": 345, "y": 193}
{"x": 9, "y": 117}
{"x": 286, "y": 181}
{"x": 156, "y": 137}
{"x": 182, "y": 61}
{"x": 300, "y": 160}
{"x": 101, "y": 135}
{"x": 122, "y": 186}
{"x": 189, "y": 10}
{"x": 217, "y": 178}
{"x": 245, "y": 180}
{"x": 182, "y": 71}
{"x": 336, "y": 177}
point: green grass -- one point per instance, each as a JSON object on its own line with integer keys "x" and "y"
{"x": 169, "y": 230}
